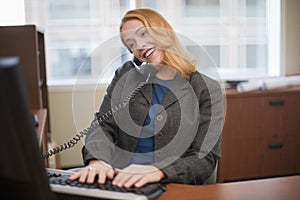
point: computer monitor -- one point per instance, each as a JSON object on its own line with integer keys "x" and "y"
{"x": 22, "y": 171}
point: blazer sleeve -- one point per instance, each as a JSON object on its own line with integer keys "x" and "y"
{"x": 199, "y": 161}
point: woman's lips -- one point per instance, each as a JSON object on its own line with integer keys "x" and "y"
{"x": 148, "y": 53}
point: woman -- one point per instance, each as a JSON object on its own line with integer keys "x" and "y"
{"x": 170, "y": 130}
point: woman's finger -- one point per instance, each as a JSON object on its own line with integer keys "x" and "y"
{"x": 92, "y": 172}
{"x": 143, "y": 181}
{"x": 132, "y": 180}
{"x": 83, "y": 175}
{"x": 110, "y": 173}
{"x": 75, "y": 175}
{"x": 102, "y": 176}
{"x": 121, "y": 178}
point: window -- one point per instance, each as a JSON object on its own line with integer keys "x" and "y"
{"x": 238, "y": 37}
{"x": 74, "y": 31}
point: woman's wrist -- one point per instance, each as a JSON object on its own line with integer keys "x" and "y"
{"x": 159, "y": 172}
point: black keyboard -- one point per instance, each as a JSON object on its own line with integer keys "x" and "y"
{"x": 60, "y": 184}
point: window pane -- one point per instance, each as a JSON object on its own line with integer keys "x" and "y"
{"x": 256, "y": 8}
{"x": 124, "y": 4}
{"x": 69, "y": 9}
{"x": 66, "y": 62}
{"x": 202, "y": 8}
{"x": 207, "y": 58}
{"x": 118, "y": 9}
{"x": 146, "y": 3}
{"x": 254, "y": 57}
{"x": 257, "y": 57}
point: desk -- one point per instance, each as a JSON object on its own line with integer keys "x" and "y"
{"x": 286, "y": 188}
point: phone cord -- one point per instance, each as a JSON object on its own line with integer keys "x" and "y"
{"x": 100, "y": 120}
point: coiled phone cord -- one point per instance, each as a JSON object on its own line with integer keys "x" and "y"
{"x": 100, "y": 120}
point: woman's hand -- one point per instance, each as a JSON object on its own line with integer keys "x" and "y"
{"x": 95, "y": 167}
{"x": 137, "y": 176}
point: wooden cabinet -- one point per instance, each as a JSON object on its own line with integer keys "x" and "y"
{"x": 27, "y": 43}
{"x": 261, "y": 135}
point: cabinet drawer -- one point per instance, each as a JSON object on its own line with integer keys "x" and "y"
{"x": 280, "y": 157}
{"x": 250, "y": 159}
{"x": 241, "y": 159}
{"x": 272, "y": 116}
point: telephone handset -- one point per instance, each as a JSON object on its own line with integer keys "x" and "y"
{"x": 137, "y": 62}
{"x": 100, "y": 120}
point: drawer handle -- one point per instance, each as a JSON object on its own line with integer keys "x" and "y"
{"x": 276, "y": 103}
{"x": 276, "y": 145}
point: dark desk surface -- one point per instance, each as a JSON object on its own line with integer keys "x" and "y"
{"x": 285, "y": 188}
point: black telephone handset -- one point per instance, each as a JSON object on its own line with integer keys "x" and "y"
{"x": 100, "y": 120}
{"x": 137, "y": 62}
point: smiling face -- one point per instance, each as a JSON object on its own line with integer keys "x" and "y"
{"x": 136, "y": 37}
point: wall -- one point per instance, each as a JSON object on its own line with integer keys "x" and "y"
{"x": 71, "y": 111}
{"x": 292, "y": 37}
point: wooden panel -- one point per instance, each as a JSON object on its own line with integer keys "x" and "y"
{"x": 261, "y": 135}
{"x": 41, "y": 130}
{"x": 239, "y": 143}
{"x": 43, "y": 76}
{"x": 292, "y": 116}
{"x": 27, "y": 43}
{"x": 291, "y": 158}
{"x": 21, "y": 41}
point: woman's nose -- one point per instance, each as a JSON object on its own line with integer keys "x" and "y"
{"x": 140, "y": 43}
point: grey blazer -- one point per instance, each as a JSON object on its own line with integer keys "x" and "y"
{"x": 188, "y": 125}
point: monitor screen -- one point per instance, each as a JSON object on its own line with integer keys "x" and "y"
{"x": 22, "y": 170}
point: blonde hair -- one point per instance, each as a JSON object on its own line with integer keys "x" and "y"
{"x": 174, "y": 54}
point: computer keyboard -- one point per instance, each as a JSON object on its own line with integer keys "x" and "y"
{"x": 60, "y": 184}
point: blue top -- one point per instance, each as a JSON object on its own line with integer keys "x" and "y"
{"x": 145, "y": 147}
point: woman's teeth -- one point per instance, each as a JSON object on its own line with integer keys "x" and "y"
{"x": 148, "y": 53}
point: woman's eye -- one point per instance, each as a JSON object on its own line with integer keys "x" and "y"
{"x": 144, "y": 33}
{"x": 131, "y": 46}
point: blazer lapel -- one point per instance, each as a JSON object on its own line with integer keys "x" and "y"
{"x": 147, "y": 92}
{"x": 177, "y": 90}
